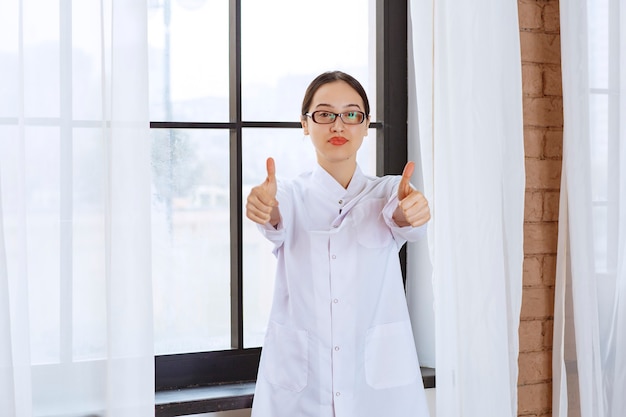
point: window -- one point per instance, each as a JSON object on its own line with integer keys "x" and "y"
{"x": 227, "y": 80}
{"x": 604, "y": 130}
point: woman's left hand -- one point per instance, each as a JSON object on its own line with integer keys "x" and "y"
{"x": 413, "y": 207}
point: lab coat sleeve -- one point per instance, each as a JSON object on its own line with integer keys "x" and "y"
{"x": 400, "y": 234}
{"x": 277, "y": 234}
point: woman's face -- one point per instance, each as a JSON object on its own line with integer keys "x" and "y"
{"x": 336, "y": 142}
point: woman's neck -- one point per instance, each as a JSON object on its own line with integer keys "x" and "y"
{"x": 342, "y": 171}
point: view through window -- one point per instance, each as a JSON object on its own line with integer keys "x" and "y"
{"x": 220, "y": 96}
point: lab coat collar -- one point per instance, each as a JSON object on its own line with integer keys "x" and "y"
{"x": 333, "y": 189}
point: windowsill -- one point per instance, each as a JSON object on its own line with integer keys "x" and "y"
{"x": 223, "y": 397}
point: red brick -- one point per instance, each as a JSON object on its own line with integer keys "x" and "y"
{"x": 540, "y": 238}
{"x": 532, "y": 275}
{"x": 551, "y": 18}
{"x": 543, "y": 111}
{"x": 534, "y": 398}
{"x": 537, "y": 303}
{"x": 541, "y": 48}
{"x": 551, "y": 206}
{"x": 534, "y": 142}
{"x": 543, "y": 174}
{"x": 532, "y": 80}
{"x": 552, "y": 81}
{"x": 547, "y": 413}
{"x": 543, "y": 150}
{"x": 530, "y": 15}
{"x": 553, "y": 144}
{"x": 531, "y": 336}
{"x": 533, "y": 206}
{"x": 548, "y": 333}
{"x": 535, "y": 367}
{"x": 536, "y": 335}
{"x": 548, "y": 270}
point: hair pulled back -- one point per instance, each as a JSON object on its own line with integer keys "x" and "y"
{"x": 329, "y": 77}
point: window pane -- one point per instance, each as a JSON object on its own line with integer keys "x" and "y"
{"x": 42, "y": 196}
{"x": 276, "y": 68}
{"x": 42, "y": 90}
{"x": 598, "y": 38}
{"x": 88, "y": 245}
{"x": 9, "y": 59}
{"x": 188, "y": 41}
{"x": 293, "y": 154}
{"x": 86, "y": 61}
{"x": 600, "y": 238}
{"x": 191, "y": 240}
{"x": 599, "y": 129}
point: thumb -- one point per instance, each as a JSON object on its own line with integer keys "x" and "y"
{"x": 270, "y": 182}
{"x": 404, "y": 188}
{"x": 271, "y": 170}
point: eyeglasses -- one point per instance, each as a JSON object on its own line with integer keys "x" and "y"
{"x": 326, "y": 117}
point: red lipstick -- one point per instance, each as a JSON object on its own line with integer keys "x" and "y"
{"x": 337, "y": 140}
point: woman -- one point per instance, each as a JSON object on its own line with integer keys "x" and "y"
{"x": 339, "y": 341}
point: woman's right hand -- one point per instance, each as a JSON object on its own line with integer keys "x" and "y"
{"x": 262, "y": 206}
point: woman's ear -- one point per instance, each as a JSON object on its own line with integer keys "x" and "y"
{"x": 305, "y": 127}
{"x": 367, "y": 125}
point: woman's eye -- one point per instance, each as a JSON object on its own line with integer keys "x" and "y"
{"x": 326, "y": 116}
{"x": 351, "y": 115}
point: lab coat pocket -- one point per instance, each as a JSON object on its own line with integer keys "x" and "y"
{"x": 371, "y": 229}
{"x": 286, "y": 357}
{"x": 390, "y": 357}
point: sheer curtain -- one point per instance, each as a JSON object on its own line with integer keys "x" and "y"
{"x": 468, "y": 103}
{"x": 589, "y": 362}
{"x": 75, "y": 282}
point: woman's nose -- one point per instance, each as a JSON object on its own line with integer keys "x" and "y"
{"x": 337, "y": 125}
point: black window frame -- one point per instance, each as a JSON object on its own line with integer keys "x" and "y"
{"x": 239, "y": 364}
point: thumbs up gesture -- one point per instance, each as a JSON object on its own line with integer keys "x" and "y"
{"x": 413, "y": 207}
{"x": 262, "y": 206}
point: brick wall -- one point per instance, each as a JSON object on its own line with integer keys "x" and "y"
{"x": 543, "y": 139}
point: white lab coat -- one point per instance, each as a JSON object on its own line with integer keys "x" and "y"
{"x": 339, "y": 342}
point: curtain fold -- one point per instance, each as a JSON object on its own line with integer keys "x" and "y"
{"x": 7, "y": 391}
{"x": 469, "y": 110}
{"x": 589, "y": 364}
{"x": 75, "y": 265}
{"x": 419, "y": 285}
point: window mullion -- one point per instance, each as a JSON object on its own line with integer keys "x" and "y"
{"x": 65, "y": 186}
{"x": 391, "y": 86}
{"x": 392, "y": 91}
{"x": 613, "y": 129}
{"x": 236, "y": 198}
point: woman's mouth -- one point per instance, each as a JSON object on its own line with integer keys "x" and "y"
{"x": 337, "y": 140}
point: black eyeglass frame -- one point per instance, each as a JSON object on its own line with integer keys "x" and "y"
{"x": 312, "y": 116}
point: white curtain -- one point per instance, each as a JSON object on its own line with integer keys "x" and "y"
{"x": 75, "y": 282}
{"x": 468, "y": 104}
{"x": 589, "y": 355}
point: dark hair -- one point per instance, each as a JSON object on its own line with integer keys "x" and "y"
{"x": 329, "y": 77}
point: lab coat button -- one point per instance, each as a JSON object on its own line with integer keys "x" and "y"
{"x": 337, "y": 394}
{"x": 335, "y": 301}
{"x": 340, "y": 201}
{"x": 334, "y": 257}
{"x": 336, "y": 348}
